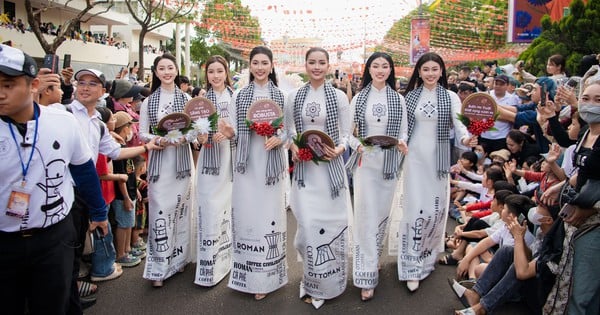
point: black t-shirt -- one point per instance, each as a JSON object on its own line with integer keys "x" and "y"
{"x": 125, "y": 167}
{"x": 588, "y": 161}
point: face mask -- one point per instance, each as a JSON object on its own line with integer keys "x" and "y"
{"x": 534, "y": 217}
{"x": 129, "y": 137}
{"x": 479, "y": 155}
{"x": 590, "y": 113}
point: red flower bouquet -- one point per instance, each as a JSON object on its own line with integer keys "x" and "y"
{"x": 266, "y": 129}
{"x": 477, "y": 127}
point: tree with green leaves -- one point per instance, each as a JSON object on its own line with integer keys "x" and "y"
{"x": 68, "y": 26}
{"x": 574, "y": 36}
{"x": 231, "y": 24}
{"x": 152, "y": 14}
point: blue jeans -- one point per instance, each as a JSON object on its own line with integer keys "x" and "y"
{"x": 585, "y": 294}
{"x": 104, "y": 255}
{"x": 498, "y": 283}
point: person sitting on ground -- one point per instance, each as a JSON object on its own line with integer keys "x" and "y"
{"x": 475, "y": 230}
{"x": 511, "y": 273}
{"x": 513, "y": 207}
{"x": 482, "y": 209}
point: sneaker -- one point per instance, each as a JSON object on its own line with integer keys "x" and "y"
{"x": 140, "y": 244}
{"x": 137, "y": 253}
{"x": 114, "y": 275}
{"x": 129, "y": 261}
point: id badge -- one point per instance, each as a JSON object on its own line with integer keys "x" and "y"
{"x": 18, "y": 201}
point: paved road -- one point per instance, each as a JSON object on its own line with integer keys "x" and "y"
{"x": 130, "y": 294}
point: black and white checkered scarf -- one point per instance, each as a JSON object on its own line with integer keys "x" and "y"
{"x": 275, "y": 157}
{"x": 211, "y": 163}
{"x": 182, "y": 164}
{"x": 336, "y": 166}
{"x": 391, "y": 161}
{"x": 444, "y": 108}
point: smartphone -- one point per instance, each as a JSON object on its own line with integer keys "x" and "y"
{"x": 543, "y": 95}
{"x": 521, "y": 218}
{"x": 66, "y": 61}
{"x": 566, "y": 211}
{"x": 337, "y": 73}
{"x": 51, "y": 62}
{"x": 572, "y": 83}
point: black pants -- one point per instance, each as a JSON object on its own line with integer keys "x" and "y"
{"x": 36, "y": 268}
{"x": 493, "y": 144}
{"x": 474, "y": 224}
{"x": 81, "y": 223}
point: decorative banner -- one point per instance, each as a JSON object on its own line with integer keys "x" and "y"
{"x": 420, "y": 33}
{"x": 524, "y": 17}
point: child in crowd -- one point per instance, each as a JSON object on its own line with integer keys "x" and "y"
{"x": 137, "y": 242}
{"x": 549, "y": 175}
{"x": 125, "y": 198}
{"x": 483, "y": 190}
{"x": 466, "y": 163}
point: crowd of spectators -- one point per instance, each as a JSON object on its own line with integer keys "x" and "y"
{"x": 52, "y": 29}
{"x": 541, "y": 146}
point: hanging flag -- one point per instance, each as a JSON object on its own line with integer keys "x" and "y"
{"x": 420, "y": 32}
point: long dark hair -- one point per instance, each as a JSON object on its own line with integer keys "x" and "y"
{"x": 155, "y": 80}
{"x": 265, "y": 51}
{"x": 391, "y": 80}
{"x": 416, "y": 81}
{"x": 221, "y": 60}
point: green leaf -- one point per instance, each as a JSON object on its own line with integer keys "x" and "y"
{"x": 248, "y": 122}
{"x": 464, "y": 119}
{"x": 277, "y": 122}
{"x": 214, "y": 120}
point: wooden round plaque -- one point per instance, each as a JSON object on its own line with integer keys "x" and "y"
{"x": 199, "y": 107}
{"x": 264, "y": 110}
{"x": 316, "y": 140}
{"x": 174, "y": 121}
{"x": 479, "y": 106}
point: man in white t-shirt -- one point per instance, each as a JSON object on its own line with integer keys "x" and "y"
{"x": 42, "y": 155}
{"x": 90, "y": 88}
{"x": 496, "y": 139}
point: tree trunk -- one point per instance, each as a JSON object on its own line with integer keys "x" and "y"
{"x": 143, "y": 32}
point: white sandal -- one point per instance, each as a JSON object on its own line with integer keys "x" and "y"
{"x": 466, "y": 311}
{"x": 317, "y": 303}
